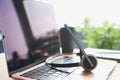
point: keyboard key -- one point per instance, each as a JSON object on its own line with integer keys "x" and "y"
{"x": 47, "y": 73}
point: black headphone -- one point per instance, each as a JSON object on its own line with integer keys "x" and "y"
{"x": 88, "y": 61}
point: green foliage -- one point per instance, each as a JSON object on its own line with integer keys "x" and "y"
{"x": 104, "y": 37}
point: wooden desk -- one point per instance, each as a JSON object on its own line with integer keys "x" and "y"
{"x": 114, "y": 75}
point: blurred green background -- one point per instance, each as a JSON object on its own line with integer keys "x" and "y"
{"x": 106, "y": 36}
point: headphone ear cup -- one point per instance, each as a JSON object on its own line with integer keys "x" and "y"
{"x": 86, "y": 65}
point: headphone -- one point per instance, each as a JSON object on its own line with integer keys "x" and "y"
{"x": 87, "y": 61}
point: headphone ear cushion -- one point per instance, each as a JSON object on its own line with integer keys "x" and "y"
{"x": 86, "y": 65}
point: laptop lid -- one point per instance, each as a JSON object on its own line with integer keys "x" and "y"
{"x": 30, "y": 34}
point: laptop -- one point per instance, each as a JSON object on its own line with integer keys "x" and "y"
{"x": 105, "y": 53}
{"x": 30, "y": 36}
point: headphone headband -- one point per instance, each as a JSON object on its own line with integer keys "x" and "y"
{"x": 64, "y": 65}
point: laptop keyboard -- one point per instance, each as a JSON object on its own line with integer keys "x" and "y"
{"x": 47, "y": 73}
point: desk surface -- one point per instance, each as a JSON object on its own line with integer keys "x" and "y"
{"x": 114, "y": 75}
{"x": 3, "y": 68}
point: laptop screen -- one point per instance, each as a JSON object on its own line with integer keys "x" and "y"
{"x": 30, "y": 35}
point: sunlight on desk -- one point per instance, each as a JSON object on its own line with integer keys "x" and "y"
{"x": 101, "y": 72}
